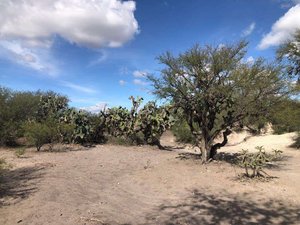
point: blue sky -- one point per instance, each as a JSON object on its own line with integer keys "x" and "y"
{"x": 99, "y": 51}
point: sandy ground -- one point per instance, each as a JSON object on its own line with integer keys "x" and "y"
{"x": 143, "y": 185}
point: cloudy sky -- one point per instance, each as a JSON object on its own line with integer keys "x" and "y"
{"x": 99, "y": 51}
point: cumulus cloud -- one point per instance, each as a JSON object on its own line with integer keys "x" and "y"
{"x": 36, "y": 59}
{"x": 140, "y": 73}
{"x": 283, "y": 29}
{"x": 78, "y": 87}
{"x": 94, "y": 24}
{"x": 122, "y": 82}
{"x": 140, "y": 82}
{"x": 95, "y": 108}
{"x": 248, "y": 30}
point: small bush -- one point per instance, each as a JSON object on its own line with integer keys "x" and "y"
{"x": 285, "y": 116}
{"x": 182, "y": 132}
{"x": 257, "y": 161}
{"x": 3, "y": 165}
{"x": 66, "y": 133}
{"x": 119, "y": 141}
{"x": 296, "y": 143}
{"x": 39, "y": 134}
{"x": 20, "y": 151}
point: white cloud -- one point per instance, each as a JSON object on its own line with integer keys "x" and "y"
{"x": 96, "y": 108}
{"x": 94, "y": 24}
{"x": 78, "y": 87}
{"x": 101, "y": 58}
{"x": 288, "y": 3}
{"x": 140, "y": 73}
{"x": 122, "y": 82}
{"x": 248, "y": 30}
{"x": 250, "y": 60}
{"x": 139, "y": 82}
{"x": 283, "y": 29}
{"x": 33, "y": 58}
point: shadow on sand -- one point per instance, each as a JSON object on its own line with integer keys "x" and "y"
{"x": 201, "y": 208}
{"x": 18, "y": 184}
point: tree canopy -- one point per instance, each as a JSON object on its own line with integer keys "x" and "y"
{"x": 289, "y": 52}
{"x": 217, "y": 90}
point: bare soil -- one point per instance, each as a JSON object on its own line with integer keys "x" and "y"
{"x": 109, "y": 184}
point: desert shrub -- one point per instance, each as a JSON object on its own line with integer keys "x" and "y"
{"x": 39, "y": 134}
{"x": 97, "y": 122}
{"x": 50, "y": 105}
{"x": 66, "y": 132}
{"x": 139, "y": 125}
{"x": 77, "y": 123}
{"x": 257, "y": 161}
{"x": 20, "y": 151}
{"x": 296, "y": 143}
{"x": 182, "y": 132}
{"x": 4, "y": 166}
{"x": 15, "y": 108}
{"x": 285, "y": 116}
{"x": 119, "y": 141}
{"x": 151, "y": 122}
{"x": 19, "y": 107}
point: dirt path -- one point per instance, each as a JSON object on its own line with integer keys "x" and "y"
{"x": 143, "y": 185}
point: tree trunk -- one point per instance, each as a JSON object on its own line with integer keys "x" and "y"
{"x": 209, "y": 152}
{"x": 215, "y": 147}
{"x": 205, "y": 151}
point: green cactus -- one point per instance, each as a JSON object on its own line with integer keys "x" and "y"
{"x": 144, "y": 125}
{"x": 257, "y": 161}
{"x": 80, "y": 121}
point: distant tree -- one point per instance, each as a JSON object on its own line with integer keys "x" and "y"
{"x": 289, "y": 53}
{"x": 15, "y": 108}
{"x": 217, "y": 90}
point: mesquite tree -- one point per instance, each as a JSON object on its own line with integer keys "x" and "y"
{"x": 289, "y": 53}
{"x": 217, "y": 90}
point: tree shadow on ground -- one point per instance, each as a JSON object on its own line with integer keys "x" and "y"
{"x": 172, "y": 148}
{"x": 189, "y": 156}
{"x": 201, "y": 208}
{"x": 18, "y": 184}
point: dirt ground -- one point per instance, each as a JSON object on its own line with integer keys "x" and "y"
{"x": 143, "y": 185}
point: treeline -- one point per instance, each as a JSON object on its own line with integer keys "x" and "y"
{"x": 284, "y": 117}
{"x": 46, "y": 118}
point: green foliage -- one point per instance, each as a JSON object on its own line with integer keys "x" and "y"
{"x": 98, "y": 123}
{"x": 285, "y": 116}
{"x": 257, "y": 161}
{"x": 217, "y": 91}
{"x": 296, "y": 143}
{"x": 51, "y": 104}
{"x": 3, "y": 165}
{"x": 79, "y": 121}
{"x": 152, "y": 121}
{"x": 289, "y": 53}
{"x": 118, "y": 121}
{"x": 119, "y": 141}
{"x": 15, "y": 108}
{"x": 144, "y": 125}
{"x": 39, "y": 134}
{"x": 181, "y": 130}
{"x": 183, "y": 133}
{"x": 20, "y": 151}
{"x": 66, "y": 132}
